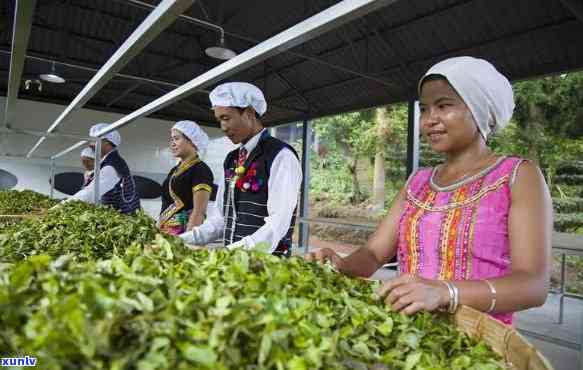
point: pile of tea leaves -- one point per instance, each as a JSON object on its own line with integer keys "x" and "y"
{"x": 84, "y": 287}
{"x": 166, "y": 307}
{"x": 15, "y": 202}
{"x": 77, "y": 228}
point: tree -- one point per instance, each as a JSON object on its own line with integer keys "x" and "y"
{"x": 382, "y": 128}
{"x": 349, "y": 135}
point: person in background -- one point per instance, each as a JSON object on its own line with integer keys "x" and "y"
{"x": 257, "y": 201}
{"x": 116, "y": 185}
{"x": 88, "y": 162}
{"x": 189, "y": 185}
{"x": 475, "y": 230}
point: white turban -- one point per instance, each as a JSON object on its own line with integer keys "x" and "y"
{"x": 238, "y": 94}
{"x": 113, "y": 137}
{"x": 88, "y": 153}
{"x": 487, "y": 93}
{"x": 194, "y": 133}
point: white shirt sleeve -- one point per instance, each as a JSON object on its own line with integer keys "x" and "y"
{"x": 285, "y": 180}
{"x": 108, "y": 177}
{"x": 212, "y": 228}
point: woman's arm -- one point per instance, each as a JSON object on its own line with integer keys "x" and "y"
{"x": 530, "y": 228}
{"x": 380, "y": 248}
{"x": 199, "y": 203}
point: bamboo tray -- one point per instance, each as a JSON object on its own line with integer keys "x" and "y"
{"x": 503, "y": 339}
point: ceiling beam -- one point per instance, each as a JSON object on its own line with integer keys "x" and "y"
{"x": 319, "y": 57}
{"x": 109, "y": 44}
{"x": 253, "y": 42}
{"x": 331, "y": 18}
{"x": 158, "y": 20}
{"x": 21, "y": 32}
{"x": 575, "y": 7}
{"x": 76, "y": 65}
{"x": 427, "y": 59}
{"x": 125, "y": 93}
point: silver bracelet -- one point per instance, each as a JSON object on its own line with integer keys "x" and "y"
{"x": 493, "y": 291}
{"x": 451, "y": 291}
{"x": 456, "y": 298}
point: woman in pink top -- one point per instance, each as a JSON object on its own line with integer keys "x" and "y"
{"x": 475, "y": 230}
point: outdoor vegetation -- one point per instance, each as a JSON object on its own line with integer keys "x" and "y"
{"x": 359, "y": 161}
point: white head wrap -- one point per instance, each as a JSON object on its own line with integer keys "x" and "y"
{"x": 88, "y": 153}
{"x": 113, "y": 137}
{"x": 194, "y": 133}
{"x": 238, "y": 94}
{"x": 487, "y": 93}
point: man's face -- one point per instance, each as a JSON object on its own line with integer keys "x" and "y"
{"x": 106, "y": 147}
{"x": 237, "y": 125}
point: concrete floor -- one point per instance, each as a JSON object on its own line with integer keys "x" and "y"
{"x": 560, "y": 346}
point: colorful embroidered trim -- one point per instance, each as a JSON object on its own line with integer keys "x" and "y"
{"x": 462, "y": 203}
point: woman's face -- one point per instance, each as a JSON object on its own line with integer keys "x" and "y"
{"x": 180, "y": 146}
{"x": 88, "y": 163}
{"x": 446, "y": 122}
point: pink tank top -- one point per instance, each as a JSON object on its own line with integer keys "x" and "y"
{"x": 458, "y": 232}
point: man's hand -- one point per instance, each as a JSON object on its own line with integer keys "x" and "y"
{"x": 187, "y": 237}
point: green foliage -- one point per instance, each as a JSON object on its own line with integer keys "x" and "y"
{"x": 330, "y": 179}
{"x": 82, "y": 229}
{"x": 569, "y": 179}
{"x": 87, "y": 287}
{"x": 560, "y": 100}
{"x": 570, "y": 168}
{"x": 14, "y": 202}
{"x": 569, "y": 222}
{"x": 568, "y": 205}
{"x": 167, "y": 308}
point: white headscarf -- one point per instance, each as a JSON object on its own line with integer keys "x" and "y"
{"x": 487, "y": 93}
{"x": 88, "y": 153}
{"x": 113, "y": 137}
{"x": 194, "y": 133}
{"x": 238, "y": 94}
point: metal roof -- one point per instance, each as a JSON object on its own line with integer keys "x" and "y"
{"x": 372, "y": 61}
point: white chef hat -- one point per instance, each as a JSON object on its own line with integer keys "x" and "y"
{"x": 194, "y": 133}
{"x": 88, "y": 153}
{"x": 238, "y": 94}
{"x": 113, "y": 137}
{"x": 487, "y": 92}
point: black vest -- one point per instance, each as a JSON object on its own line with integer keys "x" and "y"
{"x": 251, "y": 206}
{"x": 123, "y": 197}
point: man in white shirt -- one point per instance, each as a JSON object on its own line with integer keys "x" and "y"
{"x": 258, "y": 200}
{"x": 116, "y": 185}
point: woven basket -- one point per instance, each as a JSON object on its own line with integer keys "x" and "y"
{"x": 503, "y": 339}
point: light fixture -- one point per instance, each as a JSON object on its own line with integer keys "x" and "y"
{"x": 221, "y": 51}
{"x": 52, "y": 76}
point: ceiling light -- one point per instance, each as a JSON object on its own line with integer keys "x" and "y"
{"x": 221, "y": 51}
{"x": 52, "y": 76}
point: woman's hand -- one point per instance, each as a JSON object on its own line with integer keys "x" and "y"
{"x": 326, "y": 254}
{"x": 409, "y": 294}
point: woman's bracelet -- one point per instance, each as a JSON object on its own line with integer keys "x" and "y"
{"x": 456, "y": 298}
{"x": 453, "y": 296}
{"x": 493, "y": 291}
